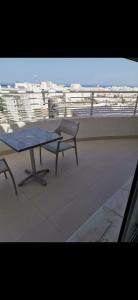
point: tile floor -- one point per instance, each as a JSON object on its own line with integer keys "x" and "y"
{"x": 54, "y": 212}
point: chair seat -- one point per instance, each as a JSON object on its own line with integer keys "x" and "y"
{"x": 3, "y": 167}
{"x": 52, "y": 147}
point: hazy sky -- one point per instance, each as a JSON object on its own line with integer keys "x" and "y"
{"x": 93, "y": 71}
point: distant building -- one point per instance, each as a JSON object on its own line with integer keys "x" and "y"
{"x": 75, "y": 86}
{"x": 23, "y": 85}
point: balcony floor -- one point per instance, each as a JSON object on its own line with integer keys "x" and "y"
{"x": 54, "y": 212}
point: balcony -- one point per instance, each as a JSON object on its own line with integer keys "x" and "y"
{"x": 53, "y": 213}
{"x": 107, "y": 150}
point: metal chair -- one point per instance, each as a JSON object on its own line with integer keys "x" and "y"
{"x": 70, "y": 128}
{"x": 5, "y": 168}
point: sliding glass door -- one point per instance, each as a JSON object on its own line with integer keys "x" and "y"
{"x": 129, "y": 228}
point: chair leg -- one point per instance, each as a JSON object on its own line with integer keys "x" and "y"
{"x": 5, "y": 175}
{"x": 56, "y": 164}
{"x": 76, "y": 153}
{"x": 40, "y": 154}
{"x": 14, "y": 184}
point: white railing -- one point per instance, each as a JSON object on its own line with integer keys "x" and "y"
{"x": 33, "y": 106}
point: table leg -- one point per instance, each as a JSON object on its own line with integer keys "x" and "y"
{"x": 36, "y": 175}
{"x": 32, "y": 161}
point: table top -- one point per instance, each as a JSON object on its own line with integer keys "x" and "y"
{"x": 28, "y": 138}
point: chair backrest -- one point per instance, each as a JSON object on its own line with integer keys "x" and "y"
{"x": 69, "y": 127}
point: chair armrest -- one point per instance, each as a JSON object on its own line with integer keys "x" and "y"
{"x": 57, "y": 130}
{"x": 66, "y": 140}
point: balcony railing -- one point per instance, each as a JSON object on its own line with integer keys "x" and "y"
{"x": 31, "y": 106}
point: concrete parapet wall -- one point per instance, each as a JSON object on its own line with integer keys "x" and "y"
{"x": 90, "y": 128}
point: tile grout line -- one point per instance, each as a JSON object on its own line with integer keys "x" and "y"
{"x": 112, "y": 210}
{"x": 109, "y": 226}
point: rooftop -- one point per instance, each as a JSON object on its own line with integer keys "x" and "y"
{"x": 53, "y": 213}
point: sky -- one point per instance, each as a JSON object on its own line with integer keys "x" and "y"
{"x": 86, "y": 71}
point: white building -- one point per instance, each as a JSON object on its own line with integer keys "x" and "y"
{"x": 75, "y": 87}
{"x": 21, "y": 85}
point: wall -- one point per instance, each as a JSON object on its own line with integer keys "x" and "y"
{"x": 95, "y": 127}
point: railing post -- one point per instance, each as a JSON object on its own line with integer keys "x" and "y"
{"x": 65, "y": 109}
{"x": 45, "y": 111}
{"x": 136, "y": 104}
{"x": 43, "y": 96}
{"x": 92, "y": 101}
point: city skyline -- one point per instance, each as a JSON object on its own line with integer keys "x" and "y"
{"x": 86, "y": 71}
